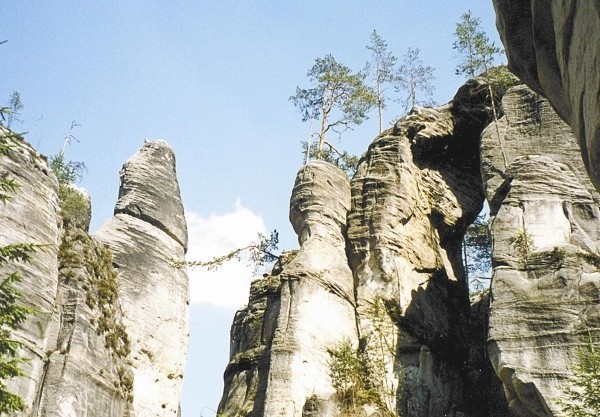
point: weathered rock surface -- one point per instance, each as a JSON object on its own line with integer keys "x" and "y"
{"x": 554, "y": 49}
{"x": 87, "y": 370}
{"x": 149, "y": 190}
{"x": 544, "y": 295}
{"x": 83, "y": 353}
{"x": 414, "y": 193}
{"x": 147, "y": 231}
{"x": 32, "y": 216}
{"x": 305, "y": 309}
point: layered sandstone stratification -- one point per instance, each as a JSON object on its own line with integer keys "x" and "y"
{"x": 545, "y": 297}
{"x": 31, "y": 215}
{"x": 103, "y": 342}
{"x": 147, "y": 231}
{"x": 415, "y": 191}
{"x": 303, "y": 310}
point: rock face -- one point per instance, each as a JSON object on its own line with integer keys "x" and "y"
{"x": 414, "y": 193}
{"x": 32, "y": 216}
{"x": 554, "y": 50}
{"x": 85, "y": 356}
{"x": 394, "y": 313}
{"x": 280, "y": 343}
{"x": 148, "y": 230}
{"x": 545, "y": 227}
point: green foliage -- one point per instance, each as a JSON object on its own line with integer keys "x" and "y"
{"x": 260, "y": 254}
{"x": 478, "y": 53}
{"x": 349, "y": 372}
{"x": 415, "y": 79}
{"x": 78, "y": 251}
{"x": 523, "y": 243}
{"x": 477, "y": 253}
{"x": 360, "y": 375}
{"x": 341, "y": 159}
{"x": 15, "y": 105}
{"x": 382, "y": 71}
{"x": 583, "y": 396}
{"x": 74, "y": 206}
{"x": 7, "y": 184}
{"x": 12, "y": 314}
{"x": 338, "y": 98}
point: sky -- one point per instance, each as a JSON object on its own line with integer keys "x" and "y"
{"x": 213, "y": 78}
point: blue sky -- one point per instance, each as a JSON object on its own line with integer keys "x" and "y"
{"x": 213, "y": 79}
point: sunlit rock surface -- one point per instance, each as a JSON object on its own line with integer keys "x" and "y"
{"x": 147, "y": 231}
{"x": 31, "y": 215}
{"x": 546, "y": 296}
{"x": 303, "y": 310}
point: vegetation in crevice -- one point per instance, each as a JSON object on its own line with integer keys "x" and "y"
{"x": 79, "y": 252}
{"x": 523, "y": 244}
{"x": 364, "y": 375}
{"x": 74, "y": 205}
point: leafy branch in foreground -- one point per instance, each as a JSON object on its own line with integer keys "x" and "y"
{"x": 583, "y": 397}
{"x": 12, "y": 314}
{"x": 260, "y": 253}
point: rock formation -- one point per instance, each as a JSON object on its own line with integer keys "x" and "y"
{"x": 554, "y": 49}
{"x": 399, "y": 301}
{"x": 107, "y": 322}
{"x": 546, "y": 229}
{"x": 146, "y": 232}
{"x": 281, "y": 342}
{"x": 420, "y": 346}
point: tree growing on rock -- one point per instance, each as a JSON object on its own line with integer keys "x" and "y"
{"x": 382, "y": 71}
{"x": 339, "y": 99}
{"x": 415, "y": 80}
{"x": 478, "y": 56}
{"x": 477, "y": 52}
{"x": 583, "y": 396}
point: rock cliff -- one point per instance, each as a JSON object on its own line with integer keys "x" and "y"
{"x": 545, "y": 224}
{"x": 554, "y": 49}
{"x": 94, "y": 342}
{"x": 386, "y": 268}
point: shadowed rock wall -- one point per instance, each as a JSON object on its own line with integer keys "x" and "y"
{"x": 552, "y": 46}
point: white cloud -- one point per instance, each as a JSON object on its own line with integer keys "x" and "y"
{"x": 218, "y": 234}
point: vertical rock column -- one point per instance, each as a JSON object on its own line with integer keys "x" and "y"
{"x": 31, "y": 215}
{"x": 147, "y": 230}
{"x": 317, "y": 298}
{"x": 546, "y": 228}
{"x": 280, "y": 342}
